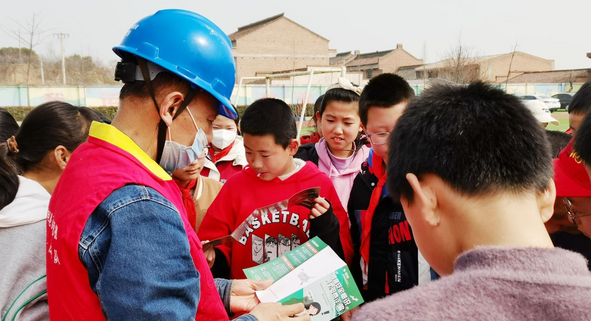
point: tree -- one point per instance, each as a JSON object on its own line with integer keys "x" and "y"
{"x": 11, "y": 66}
{"x": 31, "y": 38}
{"x": 462, "y": 64}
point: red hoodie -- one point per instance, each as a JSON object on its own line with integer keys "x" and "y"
{"x": 245, "y": 192}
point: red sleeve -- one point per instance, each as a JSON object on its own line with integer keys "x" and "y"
{"x": 328, "y": 191}
{"x": 218, "y": 220}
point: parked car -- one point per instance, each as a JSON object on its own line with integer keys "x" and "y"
{"x": 565, "y": 99}
{"x": 552, "y": 103}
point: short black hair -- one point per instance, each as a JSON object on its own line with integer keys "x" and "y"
{"x": 581, "y": 102}
{"x": 271, "y": 240}
{"x": 558, "y": 141}
{"x": 270, "y": 116}
{"x": 583, "y": 140}
{"x": 385, "y": 90}
{"x": 476, "y": 138}
{"x": 316, "y": 305}
{"x": 162, "y": 80}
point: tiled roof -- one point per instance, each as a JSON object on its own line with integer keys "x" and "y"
{"x": 553, "y": 76}
{"x": 368, "y": 58}
{"x": 341, "y": 58}
{"x": 244, "y": 30}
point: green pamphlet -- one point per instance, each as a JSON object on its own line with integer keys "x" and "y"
{"x": 312, "y": 274}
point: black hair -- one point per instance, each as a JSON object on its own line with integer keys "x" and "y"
{"x": 558, "y": 141}
{"x": 316, "y": 305}
{"x": 385, "y": 90}
{"x": 8, "y": 176}
{"x": 93, "y": 114}
{"x": 337, "y": 94}
{"x": 476, "y": 138}
{"x": 271, "y": 240}
{"x": 270, "y": 116}
{"x": 317, "y": 105}
{"x": 581, "y": 102}
{"x": 162, "y": 80}
{"x": 583, "y": 140}
{"x": 8, "y": 125}
{"x": 47, "y": 126}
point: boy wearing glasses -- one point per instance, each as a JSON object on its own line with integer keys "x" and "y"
{"x": 474, "y": 175}
{"x": 386, "y": 257}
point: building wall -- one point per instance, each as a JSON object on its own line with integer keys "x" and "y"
{"x": 279, "y": 46}
{"x": 496, "y": 69}
{"x": 247, "y": 94}
{"x": 396, "y": 59}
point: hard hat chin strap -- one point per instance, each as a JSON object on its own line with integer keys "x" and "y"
{"x": 142, "y": 63}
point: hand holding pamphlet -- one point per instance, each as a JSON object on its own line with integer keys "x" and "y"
{"x": 311, "y": 274}
{"x": 303, "y": 198}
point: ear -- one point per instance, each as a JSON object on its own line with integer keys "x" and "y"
{"x": 363, "y": 129}
{"x": 62, "y": 156}
{"x": 293, "y": 146}
{"x": 318, "y": 117}
{"x": 424, "y": 203}
{"x": 546, "y": 201}
{"x": 169, "y": 106}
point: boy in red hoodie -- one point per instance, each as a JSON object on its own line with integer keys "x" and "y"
{"x": 273, "y": 175}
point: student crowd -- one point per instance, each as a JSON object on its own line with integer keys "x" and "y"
{"x": 453, "y": 205}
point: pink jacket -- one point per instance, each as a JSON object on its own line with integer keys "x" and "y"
{"x": 343, "y": 182}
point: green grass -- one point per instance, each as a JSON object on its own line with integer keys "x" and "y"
{"x": 562, "y": 116}
{"x": 308, "y": 130}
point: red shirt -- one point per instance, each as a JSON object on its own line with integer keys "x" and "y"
{"x": 279, "y": 231}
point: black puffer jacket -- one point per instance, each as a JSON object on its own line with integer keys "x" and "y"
{"x": 393, "y": 255}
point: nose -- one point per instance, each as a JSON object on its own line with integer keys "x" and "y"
{"x": 338, "y": 129}
{"x": 256, "y": 163}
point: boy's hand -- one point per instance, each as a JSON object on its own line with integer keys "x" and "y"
{"x": 276, "y": 311}
{"x": 347, "y": 316}
{"x": 210, "y": 256}
{"x": 243, "y": 297}
{"x": 320, "y": 207}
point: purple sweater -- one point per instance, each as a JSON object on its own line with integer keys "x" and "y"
{"x": 493, "y": 283}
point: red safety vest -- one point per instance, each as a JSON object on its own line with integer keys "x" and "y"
{"x": 108, "y": 161}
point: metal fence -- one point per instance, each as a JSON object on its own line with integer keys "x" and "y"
{"x": 109, "y": 96}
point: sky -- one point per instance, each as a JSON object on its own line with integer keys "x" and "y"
{"x": 429, "y": 29}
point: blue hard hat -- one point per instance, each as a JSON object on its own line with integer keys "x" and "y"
{"x": 188, "y": 45}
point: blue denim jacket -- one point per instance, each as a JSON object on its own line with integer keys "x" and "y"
{"x": 136, "y": 251}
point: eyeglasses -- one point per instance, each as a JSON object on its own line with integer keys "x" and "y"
{"x": 377, "y": 139}
{"x": 571, "y": 215}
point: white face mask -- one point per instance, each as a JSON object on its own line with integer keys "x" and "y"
{"x": 176, "y": 156}
{"x": 223, "y": 138}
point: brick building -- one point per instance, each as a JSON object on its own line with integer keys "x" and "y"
{"x": 493, "y": 68}
{"x": 277, "y": 44}
{"x": 553, "y": 77}
{"x": 375, "y": 63}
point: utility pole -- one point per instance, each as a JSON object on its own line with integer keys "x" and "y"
{"x": 19, "y": 46}
{"x": 61, "y": 37}
{"x": 42, "y": 75}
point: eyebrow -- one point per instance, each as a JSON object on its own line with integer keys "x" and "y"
{"x": 334, "y": 116}
{"x": 260, "y": 151}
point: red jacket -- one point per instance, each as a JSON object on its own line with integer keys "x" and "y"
{"x": 245, "y": 192}
{"x": 83, "y": 186}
